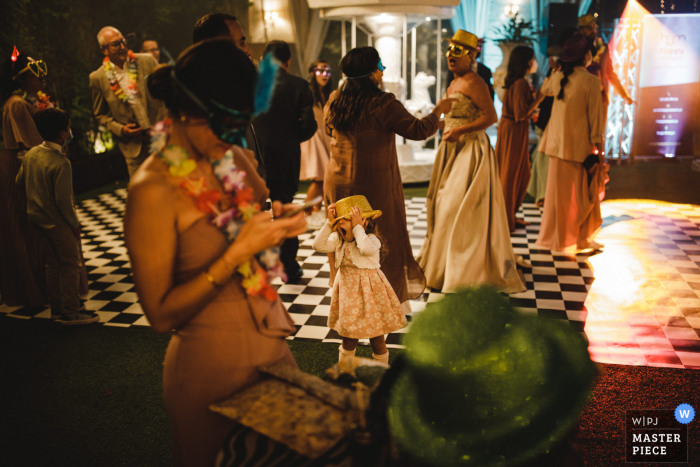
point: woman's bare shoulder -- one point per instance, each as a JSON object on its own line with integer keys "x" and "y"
{"x": 151, "y": 181}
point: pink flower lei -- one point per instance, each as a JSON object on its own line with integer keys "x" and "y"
{"x": 228, "y": 211}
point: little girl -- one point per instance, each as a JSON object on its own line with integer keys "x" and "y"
{"x": 363, "y": 305}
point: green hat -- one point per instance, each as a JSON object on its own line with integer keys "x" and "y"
{"x": 486, "y": 385}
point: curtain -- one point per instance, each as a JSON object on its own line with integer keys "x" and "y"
{"x": 584, "y": 6}
{"x": 472, "y": 16}
{"x": 314, "y": 30}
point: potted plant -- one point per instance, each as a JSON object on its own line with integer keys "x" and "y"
{"x": 510, "y": 35}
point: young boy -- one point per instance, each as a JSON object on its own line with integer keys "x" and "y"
{"x": 46, "y": 175}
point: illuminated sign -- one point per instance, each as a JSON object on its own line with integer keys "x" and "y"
{"x": 668, "y": 85}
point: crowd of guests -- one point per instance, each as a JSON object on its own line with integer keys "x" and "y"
{"x": 209, "y": 143}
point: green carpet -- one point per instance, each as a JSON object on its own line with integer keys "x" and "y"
{"x": 93, "y": 395}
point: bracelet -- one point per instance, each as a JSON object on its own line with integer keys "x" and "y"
{"x": 210, "y": 278}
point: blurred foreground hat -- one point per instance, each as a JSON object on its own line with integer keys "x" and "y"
{"x": 485, "y": 385}
{"x": 586, "y": 20}
{"x": 466, "y": 39}
{"x": 575, "y": 48}
{"x": 343, "y": 209}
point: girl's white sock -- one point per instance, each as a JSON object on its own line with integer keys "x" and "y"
{"x": 345, "y": 354}
{"x": 384, "y": 358}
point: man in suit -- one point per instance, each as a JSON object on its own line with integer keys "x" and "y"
{"x": 120, "y": 101}
{"x": 281, "y": 130}
{"x": 223, "y": 25}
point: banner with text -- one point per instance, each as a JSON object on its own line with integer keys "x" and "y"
{"x": 669, "y": 91}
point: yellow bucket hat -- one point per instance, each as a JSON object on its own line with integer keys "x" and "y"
{"x": 343, "y": 209}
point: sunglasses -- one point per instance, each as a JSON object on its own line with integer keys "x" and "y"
{"x": 457, "y": 51}
{"x": 323, "y": 71}
{"x": 228, "y": 125}
{"x": 37, "y": 68}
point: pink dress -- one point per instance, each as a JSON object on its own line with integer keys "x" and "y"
{"x": 363, "y": 304}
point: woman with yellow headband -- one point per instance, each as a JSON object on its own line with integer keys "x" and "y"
{"x": 21, "y": 277}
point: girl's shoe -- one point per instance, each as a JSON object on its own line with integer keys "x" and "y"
{"x": 383, "y": 358}
{"x": 344, "y": 356}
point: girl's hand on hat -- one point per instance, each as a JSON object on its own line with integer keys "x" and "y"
{"x": 331, "y": 212}
{"x": 356, "y": 217}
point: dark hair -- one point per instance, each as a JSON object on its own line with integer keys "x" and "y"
{"x": 148, "y": 39}
{"x": 321, "y": 94}
{"x": 279, "y": 49}
{"x": 351, "y": 106}
{"x": 51, "y": 122}
{"x": 10, "y": 69}
{"x": 214, "y": 69}
{"x": 212, "y": 26}
{"x": 567, "y": 68}
{"x": 518, "y": 64}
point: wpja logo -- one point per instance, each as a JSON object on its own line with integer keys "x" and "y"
{"x": 658, "y": 435}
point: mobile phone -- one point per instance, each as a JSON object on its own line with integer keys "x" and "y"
{"x": 311, "y": 204}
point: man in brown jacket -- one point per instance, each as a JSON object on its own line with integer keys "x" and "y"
{"x": 120, "y": 99}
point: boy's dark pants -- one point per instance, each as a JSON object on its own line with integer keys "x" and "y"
{"x": 62, "y": 253}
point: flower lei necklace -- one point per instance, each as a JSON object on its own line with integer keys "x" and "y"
{"x": 228, "y": 210}
{"x": 41, "y": 101}
{"x": 132, "y": 73}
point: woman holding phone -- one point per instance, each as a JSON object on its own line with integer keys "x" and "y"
{"x": 200, "y": 251}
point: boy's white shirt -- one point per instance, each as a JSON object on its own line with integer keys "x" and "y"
{"x": 364, "y": 251}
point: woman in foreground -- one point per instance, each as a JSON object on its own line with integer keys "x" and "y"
{"x": 192, "y": 231}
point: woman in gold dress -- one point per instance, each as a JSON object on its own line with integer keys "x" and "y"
{"x": 468, "y": 240}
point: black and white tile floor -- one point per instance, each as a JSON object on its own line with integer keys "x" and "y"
{"x": 642, "y": 307}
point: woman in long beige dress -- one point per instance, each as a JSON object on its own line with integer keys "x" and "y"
{"x": 364, "y": 122}
{"x": 574, "y": 135}
{"x": 468, "y": 240}
{"x": 184, "y": 266}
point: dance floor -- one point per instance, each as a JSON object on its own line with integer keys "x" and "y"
{"x": 638, "y": 301}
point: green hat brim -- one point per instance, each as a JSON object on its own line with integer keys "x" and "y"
{"x": 528, "y": 433}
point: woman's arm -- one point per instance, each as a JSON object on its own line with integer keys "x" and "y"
{"x": 397, "y": 119}
{"x": 522, "y": 99}
{"x": 150, "y": 233}
{"x": 595, "y": 112}
{"x": 549, "y": 85}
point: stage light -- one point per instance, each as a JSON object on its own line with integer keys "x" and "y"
{"x": 427, "y": 18}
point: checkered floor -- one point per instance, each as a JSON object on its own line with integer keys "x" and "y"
{"x": 654, "y": 308}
